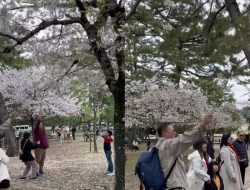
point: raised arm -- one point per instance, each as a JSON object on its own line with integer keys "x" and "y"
{"x": 181, "y": 143}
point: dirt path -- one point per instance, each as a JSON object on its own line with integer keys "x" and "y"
{"x": 68, "y": 166}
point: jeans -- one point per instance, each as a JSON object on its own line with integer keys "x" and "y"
{"x": 108, "y": 154}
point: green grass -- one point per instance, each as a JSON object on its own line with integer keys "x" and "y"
{"x": 132, "y": 158}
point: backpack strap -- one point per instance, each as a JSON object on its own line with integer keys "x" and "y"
{"x": 170, "y": 171}
{"x": 141, "y": 186}
{"x": 172, "y": 167}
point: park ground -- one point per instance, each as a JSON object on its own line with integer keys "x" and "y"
{"x": 68, "y": 166}
{"x": 72, "y": 166}
{"x": 132, "y": 182}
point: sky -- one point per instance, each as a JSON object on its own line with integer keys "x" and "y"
{"x": 241, "y": 94}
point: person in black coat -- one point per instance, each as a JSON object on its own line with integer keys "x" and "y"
{"x": 216, "y": 182}
{"x": 27, "y": 157}
{"x": 240, "y": 146}
{"x": 210, "y": 147}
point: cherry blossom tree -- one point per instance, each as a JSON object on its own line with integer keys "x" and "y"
{"x": 152, "y": 101}
{"x": 34, "y": 92}
{"x": 71, "y": 29}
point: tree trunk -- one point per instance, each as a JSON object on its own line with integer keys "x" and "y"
{"x": 94, "y": 123}
{"x": 241, "y": 25}
{"x": 3, "y": 111}
{"x": 131, "y": 136}
{"x": 176, "y": 78}
{"x": 119, "y": 132}
{"x": 6, "y": 131}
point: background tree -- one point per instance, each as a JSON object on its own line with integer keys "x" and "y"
{"x": 191, "y": 41}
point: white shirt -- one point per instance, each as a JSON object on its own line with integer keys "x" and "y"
{"x": 135, "y": 143}
{"x": 4, "y": 174}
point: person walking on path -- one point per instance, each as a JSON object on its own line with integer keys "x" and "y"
{"x": 197, "y": 173}
{"x": 230, "y": 167}
{"x": 171, "y": 148}
{"x": 4, "y": 173}
{"x": 73, "y": 130}
{"x": 40, "y": 152}
{"x": 108, "y": 152}
{"x": 27, "y": 157}
{"x": 216, "y": 180}
{"x": 241, "y": 148}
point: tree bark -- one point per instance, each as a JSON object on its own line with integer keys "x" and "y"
{"x": 7, "y": 133}
{"x": 3, "y": 110}
{"x": 94, "y": 123}
{"x": 241, "y": 25}
{"x": 119, "y": 131}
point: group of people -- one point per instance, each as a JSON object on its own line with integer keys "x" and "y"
{"x": 225, "y": 173}
{"x": 39, "y": 144}
{"x": 63, "y": 134}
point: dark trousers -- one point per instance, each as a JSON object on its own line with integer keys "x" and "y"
{"x": 242, "y": 171}
{"x": 74, "y": 135}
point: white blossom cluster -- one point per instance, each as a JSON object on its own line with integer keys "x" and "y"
{"x": 150, "y": 102}
{"x": 34, "y": 91}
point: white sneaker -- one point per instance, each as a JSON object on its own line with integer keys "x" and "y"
{"x": 111, "y": 174}
{"x": 106, "y": 172}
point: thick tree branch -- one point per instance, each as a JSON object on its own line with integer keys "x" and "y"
{"x": 241, "y": 28}
{"x": 99, "y": 51}
{"x": 43, "y": 25}
{"x": 214, "y": 18}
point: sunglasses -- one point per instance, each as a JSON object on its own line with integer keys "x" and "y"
{"x": 242, "y": 135}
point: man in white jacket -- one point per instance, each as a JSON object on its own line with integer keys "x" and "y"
{"x": 4, "y": 174}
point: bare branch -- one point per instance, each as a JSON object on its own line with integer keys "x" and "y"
{"x": 22, "y": 7}
{"x": 43, "y": 25}
{"x": 214, "y": 18}
{"x": 133, "y": 10}
{"x": 9, "y": 36}
{"x": 72, "y": 65}
{"x": 79, "y": 69}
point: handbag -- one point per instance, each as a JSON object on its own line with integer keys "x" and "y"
{"x": 21, "y": 151}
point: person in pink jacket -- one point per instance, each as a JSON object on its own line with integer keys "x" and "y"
{"x": 40, "y": 152}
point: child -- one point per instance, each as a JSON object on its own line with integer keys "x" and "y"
{"x": 216, "y": 180}
{"x": 27, "y": 158}
{"x": 108, "y": 152}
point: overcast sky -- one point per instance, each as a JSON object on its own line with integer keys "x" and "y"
{"x": 240, "y": 94}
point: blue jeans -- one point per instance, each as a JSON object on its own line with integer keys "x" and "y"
{"x": 108, "y": 154}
